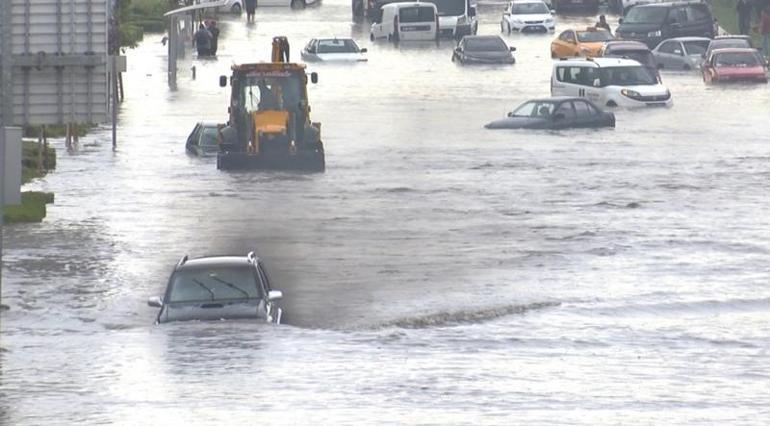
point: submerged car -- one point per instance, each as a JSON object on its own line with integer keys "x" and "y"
{"x": 631, "y": 50}
{"x": 555, "y": 113}
{"x": 727, "y": 42}
{"x": 204, "y": 140}
{"x": 333, "y": 50}
{"x": 477, "y": 49}
{"x": 734, "y": 65}
{"x": 218, "y": 288}
{"x": 681, "y": 53}
{"x": 527, "y": 15}
{"x": 587, "y": 43}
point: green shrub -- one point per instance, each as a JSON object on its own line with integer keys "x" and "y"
{"x": 31, "y": 209}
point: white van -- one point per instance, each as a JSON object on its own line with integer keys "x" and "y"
{"x": 609, "y": 82}
{"x": 407, "y": 21}
{"x": 456, "y": 18}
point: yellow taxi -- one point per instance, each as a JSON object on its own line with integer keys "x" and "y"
{"x": 587, "y": 42}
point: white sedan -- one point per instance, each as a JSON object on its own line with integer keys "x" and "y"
{"x": 527, "y": 15}
{"x": 333, "y": 50}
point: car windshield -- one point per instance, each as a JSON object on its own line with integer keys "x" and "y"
{"x": 337, "y": 46}
{"x": 260, "y": 93}
{"x": 646, "y": 15}
{"x": 593, "y": 36}
{"x": 736, "y": 59}
{"x": 626, "y": 76}
{"x": 215, "y": 283}
{"x": 209, "y": 136}
{"x": 696, "y": 47}
{"x": 542, "y": 109}
{"x": 529, "y": 9}
{"x": 485, "y": 44}
{"x": 729, "y": 43}
{"x": 449, "y": 7}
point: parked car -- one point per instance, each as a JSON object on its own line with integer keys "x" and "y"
{"x": 681, "y": 53}
{"x": 555, "y": 113}
{"x": 733, "y": 65}
{"x": 582, "y": 6}
{"x": 333, "y": 50}
{"x": 216, "y": 288}
{"x": 478, "y": 49}
{"x": 653, "y": 23}
{"x": 203, "y": 140}
{"x": 571, "y": 43}
{"x": 406, "y": 21}
{"x": 527, "y": 15}
{"x": 631, "y": 50}
{"x": 232, "y": 6}
{"x": 727, "y": 42}
{"x": 609, "y": 82}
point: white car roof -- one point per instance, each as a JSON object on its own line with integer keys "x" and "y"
{"x": 408, "y": 4}
{"x": 601, "y": 62}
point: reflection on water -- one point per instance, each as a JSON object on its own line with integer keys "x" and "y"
{"x": 437, "y": 272}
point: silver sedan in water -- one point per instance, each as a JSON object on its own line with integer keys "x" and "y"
{"x": 217, "y": 288}
{"x": 681, "y": 53}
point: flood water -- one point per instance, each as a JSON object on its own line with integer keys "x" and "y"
{"x": 437, "y": 273}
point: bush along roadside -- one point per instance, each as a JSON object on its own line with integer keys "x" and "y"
{"x": 35, "y": 164}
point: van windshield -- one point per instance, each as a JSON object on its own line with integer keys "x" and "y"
{"x": 449, "y": 7}
{"x": 415, "y": 14}
{"x": 646, "y": 15}
{"x": 626, "y": 76}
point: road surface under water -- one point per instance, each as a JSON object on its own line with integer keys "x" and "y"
{"x": 437, "y": 273}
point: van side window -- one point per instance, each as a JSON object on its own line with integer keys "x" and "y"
{"x": 696, "y": 14}
{"x": 583, "y": 76}
{"x": 561, "y": 72}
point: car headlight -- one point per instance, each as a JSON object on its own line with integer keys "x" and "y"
{"x": 633, "y": 94}
{"x": 654, "y": 33}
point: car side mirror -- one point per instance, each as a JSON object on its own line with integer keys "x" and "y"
{"x": 222, "y": 81}
{"x": 558, "y": 116}
{"x": 510, "y": 114}
{"x": 472, "y": 11}
{"x": 155, "y": 302}
{"x": 363, "y": 50}
{"x": 314, "y": 77}
{"x": 620, "y": 20}
{"x": 274, "y": 295}
{"x": 513, "y": 49}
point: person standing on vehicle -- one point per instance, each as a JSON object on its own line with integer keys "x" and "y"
{"x": 214, "y": 30}
{"x": 602, "y": 24}
{"x": 202, "y": 41}
{"x": 744, "y": 7}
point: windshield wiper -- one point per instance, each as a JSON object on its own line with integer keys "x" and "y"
{"x": 195, "y": 280}
{"x": 232, "y": 286}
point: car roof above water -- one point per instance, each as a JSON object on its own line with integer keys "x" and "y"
{"x": 600, "y": 62}
{"x": 214, "y": 261}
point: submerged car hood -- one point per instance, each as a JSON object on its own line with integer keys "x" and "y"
{"x": 498, "y": 54}
{"x": 211, "y": 311}
{"x": 517, "y": 123}
{"x": 341, "y": 57}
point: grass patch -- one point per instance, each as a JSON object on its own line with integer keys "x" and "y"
{"x": 31, "y": 209}
{"x": 29, "y": 157}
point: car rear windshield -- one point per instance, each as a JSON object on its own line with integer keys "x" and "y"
{"x": 416, "y": 14}
{"x": 626, "y": 76}
{"x": 529, "y": 9}
{"x": 646, "y": 15}
{"x": 215, "y": 283}
{"x": 696, "y": 47}
{"x": 593, "y": 36}
{"x": 486, "y": 44}
{"x": 644, "y": 57}
{"x": 736, "y": 59}
{"x": 337, "y": 46}
{"x": 730, "y": 43}
{"x": 449, "y": 7}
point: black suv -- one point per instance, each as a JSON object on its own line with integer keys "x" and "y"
{"x": 218, "y": 287}
{"x": 652, "y": 23}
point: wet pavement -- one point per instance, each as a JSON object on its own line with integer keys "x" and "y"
{"x": 437, "y": 273}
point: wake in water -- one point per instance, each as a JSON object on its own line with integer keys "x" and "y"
{"x": 473, "y": 316}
